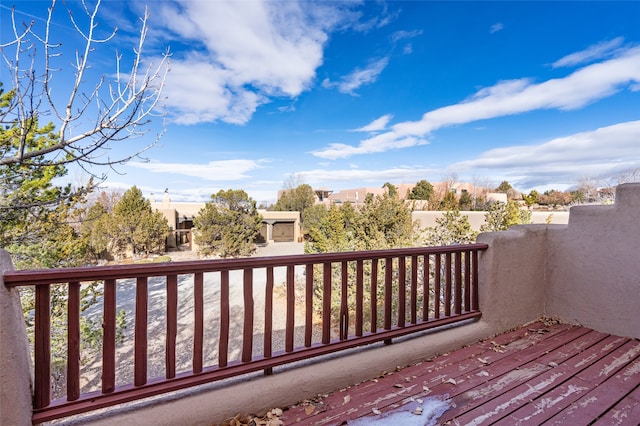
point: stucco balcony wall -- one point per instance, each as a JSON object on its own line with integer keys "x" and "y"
{"x": 593, "y": 266}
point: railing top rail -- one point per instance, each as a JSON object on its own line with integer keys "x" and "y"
{"x": 49, "y": 276}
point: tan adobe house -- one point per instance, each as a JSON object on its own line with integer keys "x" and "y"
{"x": 276, "y": 226}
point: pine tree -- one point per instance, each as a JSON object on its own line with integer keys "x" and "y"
{"x": 452, "y": 228}
{"x": 228, "y": 225}
{"x": 137, "y": 226}
{"x": 422, "y": 191}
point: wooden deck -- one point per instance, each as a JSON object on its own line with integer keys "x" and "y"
{"x": 537, "y": 374}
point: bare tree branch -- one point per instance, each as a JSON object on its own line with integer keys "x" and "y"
{"x": 95, "y": 115}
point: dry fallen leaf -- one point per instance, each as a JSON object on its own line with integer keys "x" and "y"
{"x": 309, "y": 409}
{"x": 347, "y": 398}
{"x": 417, "y": 411}
{"x": 426, "y": 389}
{"x": 483, "y": 360}
{"x": 452, "y": 381}
{"x": 398, "y": 385}
{"x": 376, "y": 411}
{"x": 483, "y": 373}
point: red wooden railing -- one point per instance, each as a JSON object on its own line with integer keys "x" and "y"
{"x": 420, "y": 288}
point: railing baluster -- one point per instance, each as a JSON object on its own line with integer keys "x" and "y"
{"x": 359, "y": 296}
{"x": 426, "y": 294}
{"x": 291, "y": 305}
{"x": 223, "y": 342}
{"x": 109, "y": 337}
{"x": 140, "y": 345}
{"x": 474, "y": 290}
{"x": 388, "y": 292}
{"x": 447, "y": 285}
{"x": 437, "y": 287}
{"x": 308, "y": 299}
{"x": 268, "y": 318}
{"x": 413, "y": 301}
{"x": 326, "y": 303}
{"x": 457, "y": 303}
{"x": 467, "y": 281}
{"x": 172, "y": 326}
{"x": 198, "y": 322}
{"x": 344, "y": 302}
{"x": 42, "y": 347}
{"x": 402, "y": 290}
{"x": 73, "y": 342}
{"x": 374, "y": 295}
{"x": 247, "y": 334}
{"x": 268, "y": 315}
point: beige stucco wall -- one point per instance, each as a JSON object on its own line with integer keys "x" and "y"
{"x": 15, "y": 361}
{"x": 512, "y": 278}
{"x": 594, "y": 266}
{"x": 427, "y": 218}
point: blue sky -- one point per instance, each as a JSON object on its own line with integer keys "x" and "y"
{"x": 350, "y": 94}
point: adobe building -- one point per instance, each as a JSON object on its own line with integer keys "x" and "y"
{"x": 276, "y": 226}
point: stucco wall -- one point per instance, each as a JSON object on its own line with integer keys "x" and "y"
{"x": 427, "y": 218}
{"x": 15, "y": 362}
{"x": 512, "y": 276}
{"x": 594, "y": 266}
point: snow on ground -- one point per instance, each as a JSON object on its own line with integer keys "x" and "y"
{"x": 421, "y": 412}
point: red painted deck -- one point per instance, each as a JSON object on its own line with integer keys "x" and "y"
{"x": 536, "y": 374}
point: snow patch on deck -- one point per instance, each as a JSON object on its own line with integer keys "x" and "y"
{"x": 412, "y": 414}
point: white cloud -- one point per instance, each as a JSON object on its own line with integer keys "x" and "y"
{"x": 359, "y": 77}
{"x": 197, "y": 91}
{"x": 597, "y": 51}
{"x": 403, "y": 35}
{"x": 396, "y": 174}
{"x": 380, "y": 19}
{"x": 378, "y": 143}
{"x": 407, "y": 49}
{"x": 578, "y": 89}
{"x": 594, "y": 153}
{"x": 498, "y": 26}
{"x": 376, "y": 125}
{"x": 247, "y": 52}
{"x": 223, "y": 170}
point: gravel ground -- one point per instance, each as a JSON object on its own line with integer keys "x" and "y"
{"x": 280, "y": 249}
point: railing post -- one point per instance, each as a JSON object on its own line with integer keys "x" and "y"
{"x": 16, "y": 379}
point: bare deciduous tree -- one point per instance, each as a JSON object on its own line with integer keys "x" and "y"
{"x": 629, "y": 176}
{"x": 91, "y": 114}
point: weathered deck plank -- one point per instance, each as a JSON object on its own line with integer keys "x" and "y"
{"x": 626, "y": 411}
{"x": 392, "y": 388}
{"x": 498, "y": 405}
{"x": 531, "y": 375}
{"x": 561, "y": 397}
{"x": 610, "y": 388}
